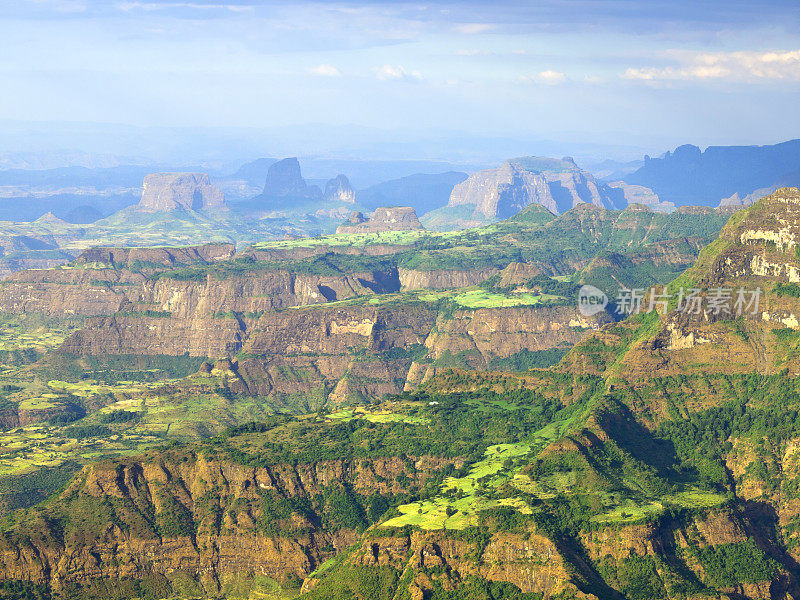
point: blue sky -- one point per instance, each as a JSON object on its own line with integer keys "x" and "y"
{"x": 645, "y": 74}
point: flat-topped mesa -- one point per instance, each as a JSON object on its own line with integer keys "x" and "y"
{"x": 395, "y": 218}
{"x": 179, "y": 191}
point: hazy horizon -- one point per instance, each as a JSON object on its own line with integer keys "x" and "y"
{"x": 466, "y": 81}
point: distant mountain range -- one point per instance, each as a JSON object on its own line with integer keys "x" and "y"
{"x": 277, "y": 189}
{"x": 691, "y": 176}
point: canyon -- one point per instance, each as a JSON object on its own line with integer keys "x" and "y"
{"x": 410, "y": 414}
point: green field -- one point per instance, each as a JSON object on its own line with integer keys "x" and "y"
{"x": 376, "y": 415}
{"x": 35, "y": 333}
{"x": 461, "y": 498}
{"x": 355, "y": 240}
{"x": 485, "y": 299}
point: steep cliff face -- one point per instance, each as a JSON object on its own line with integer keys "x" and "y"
{"x": 342, "y": 353}
{"x": 67, "y": 292}
{"x": 688, "y": 175}
{"x": 187, "y": 515}
{"x": 9, "y": 266}
{"x": 628, "y": 194}
{"x": 105, "y": 291}
{"x": 558, "y": 185}
{"x": 538, "y": 565}
{"x": 202, "y": 310}
{"x": 527, "y": 560}
{"x": 477, "y": 338}
{"x": 339, "y": 330}
{"x": 179, "y": 191}
{"x": 209, "y": 521}
{"x": 412, "y": 279}
{"x": 501, "y": 332}
{"x": 284, "y": 179}
{"x": 754, "y": 257}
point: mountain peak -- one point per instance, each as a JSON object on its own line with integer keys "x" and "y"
{"x": 744, "y": 298}
{"x": 51, "y": 219}
{"x": 339, "y": 189}
{"x": 557, "y": 184}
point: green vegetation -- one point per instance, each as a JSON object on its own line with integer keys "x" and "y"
{"x": 355, "y": 240}
{"x": 528, "y": 237}
{"x": 330, "y": 263}
{"x": 475, "y": 588}
{"x": 369, "y": 583}
{"x": 185, "y": 228}
{"x": 152, "y": 587}
{"x": 759, "y": 408}
{"x": 529, "y": 359}
{"x": 484, "y": 299}
{"x": 635, "y": 576}
{"x": 17, "y": 590}
{"x": 90, "y": 373}
{"x": 616, "y": 483}
{"x": 787, "y": 289}
{"x": 26, "y": 338}
{"x": 452, "y": 425}
{"x": 730, "y": 564}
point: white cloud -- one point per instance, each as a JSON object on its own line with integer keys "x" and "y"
{"x": 466, "y": 52}
{"x": 326, "y": 70}
{"x": 547, "y": 77}
{"x": 389, "y": 72}
{"x": 474, "y": 28}
{"x": 733, "y": 66}
{"x": 151, "y": 6}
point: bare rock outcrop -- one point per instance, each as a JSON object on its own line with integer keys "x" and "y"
{"x": 412, "y": 279}
{"x": 752, "y": 262}
{"x": 639, "y": 194}
{"x": 558, "y": 185}
{"x": 284, "y": 179}
{"x": 166, "y": 257}
{"x": 395, "y": 218}
{"x": 339, "y": 189}
{"x": 140, "y": 495}
{"x": 179, "y": 191}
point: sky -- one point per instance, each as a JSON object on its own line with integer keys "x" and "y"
{"x": 636, "y": 75}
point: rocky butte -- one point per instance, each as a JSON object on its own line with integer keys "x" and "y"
{"x": 167, "y": 192}
{"x": 339, "y": 189}
{"x": 284, "y": 179}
